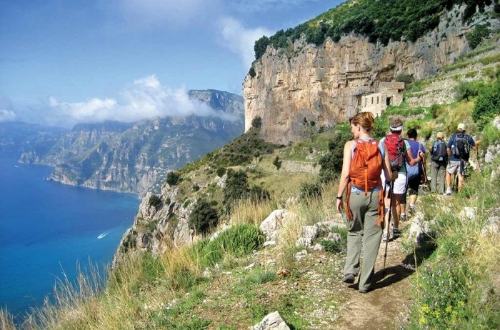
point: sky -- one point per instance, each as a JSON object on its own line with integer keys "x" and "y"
{"x": 68, "y": 61}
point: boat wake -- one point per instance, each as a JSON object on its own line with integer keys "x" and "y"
{"x": 102, "y": 235}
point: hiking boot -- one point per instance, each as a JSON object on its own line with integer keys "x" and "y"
{"x": 349, "y": 278}
{"x": 384, "y": 237}
{"x": 403, "y": 217}
{"x": 396, "y": 232}
{"x": 448, "y": 192}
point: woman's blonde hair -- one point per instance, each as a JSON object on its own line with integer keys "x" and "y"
{"x": 364, "y": 119}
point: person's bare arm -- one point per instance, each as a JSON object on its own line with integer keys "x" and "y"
{"x": 409, "y": 158}
{"x": 344, "y": 176}
{"x": 386, "y": 166}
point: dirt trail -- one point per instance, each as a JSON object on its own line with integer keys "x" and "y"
{"x": 384, "y": 306}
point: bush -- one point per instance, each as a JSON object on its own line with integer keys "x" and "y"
{"x": 310, "y": 190}
{"x": 221, "y": 171}
{"x": 331, "y": 163}
{"x": 257, "y": 122}
{"x": 155, "y": 201}
{"x": 173, "y": 178}
{"x": 487, "y": 104}
{"x": 405, "y": 78}
{"x": 251, "y": 72}
{"x": 204, "y": 217}
{"x": 237, "y": 188}
{"x": 277, "y": 163}
{"x": 477, "y": 35}
{"x": 468, "y": 90}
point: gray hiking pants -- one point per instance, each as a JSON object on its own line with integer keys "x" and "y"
{"x": 363, "y": 234}
{"x": 438, "y": 172}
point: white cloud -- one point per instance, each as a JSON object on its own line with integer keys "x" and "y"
{"x": 166, "y": 12}
{"x": 146, "y": 98}
{"x": 7, "y": 115}
{"x": 241, "y": 40}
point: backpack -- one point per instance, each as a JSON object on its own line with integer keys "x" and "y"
{"x": 439, "y": 152}
{"x": 461, "y": 147}
{"x": 366, "y": 165}
{"x": 396, "y": 149}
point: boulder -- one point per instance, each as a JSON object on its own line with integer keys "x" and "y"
{"x": 272, "y": 224}
{"x": 468, "y": 213}
{"x": 300, "y": 255}
{"x": 309, "y": 233}
{"x": 272, "y": 321}
{"x": 491, "y": 226}
{"x": 419, "y": 228}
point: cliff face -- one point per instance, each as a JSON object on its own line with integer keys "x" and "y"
{"x": 325, "y": 83}
{"x": 136, "y": 157}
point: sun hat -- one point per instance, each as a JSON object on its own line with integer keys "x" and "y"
{"x": 461, "y": 127}
{"x": 396, "y": 124}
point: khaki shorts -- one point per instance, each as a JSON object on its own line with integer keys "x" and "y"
{"x": 455, "y": 166}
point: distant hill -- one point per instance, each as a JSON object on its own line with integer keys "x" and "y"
{"x": 135, "y": 157}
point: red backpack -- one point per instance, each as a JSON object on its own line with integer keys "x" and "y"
{"x": 396, "y": 149}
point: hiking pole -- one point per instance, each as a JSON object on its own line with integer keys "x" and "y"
{"x": 388, "y": 222}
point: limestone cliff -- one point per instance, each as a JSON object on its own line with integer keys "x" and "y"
{"x": 325, "y": 84}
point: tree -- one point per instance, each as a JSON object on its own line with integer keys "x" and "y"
{"x": 173, "y": 178}
{"x": 257, "y": 122}
{"x": 204, "y": 217}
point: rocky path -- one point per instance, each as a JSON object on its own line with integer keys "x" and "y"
{"x": 385, "y": 306}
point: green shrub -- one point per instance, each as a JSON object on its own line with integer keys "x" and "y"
{"x": 405, "y": 78}
{"x": 221, "y": 171}
{"x": 173, "y": 178}
{"x": 277, "y": 163}
{"x": 260, "y": 276}
{"x": 239, "y": 240}
{"x": 487, "y": 104}
{"x": 155, "y": 201}
{"x": 204, "y": 217}
{"x": 310, "y": 190}
{"x": 477, "y": 35}
{"x": 237, "y": 188}
{"x": 331, "y": 163}
{"x": 468, "y": 90}
{"x": 251, "y": 72}
{"x": 257, "y": 122}
{"x": 196, "y": 187}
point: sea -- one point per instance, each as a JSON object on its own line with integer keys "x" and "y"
{"x": 49, "y": 232}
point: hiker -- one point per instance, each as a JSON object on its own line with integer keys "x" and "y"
{"x": 361, "y": 169}
{"x": 399, "y": 151}
{"x": 416, "y": 171}
{"x": 458, "y": 149}
{"x": 439, "y": 159}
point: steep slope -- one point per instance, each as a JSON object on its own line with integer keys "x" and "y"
{"x": 301, "y": 77}
{"x": 136, "y": 157}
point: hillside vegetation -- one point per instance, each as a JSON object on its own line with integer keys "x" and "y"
{"x": 380, "y": 21}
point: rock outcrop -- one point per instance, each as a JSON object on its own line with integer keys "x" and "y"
{"x": 325, "y": 84}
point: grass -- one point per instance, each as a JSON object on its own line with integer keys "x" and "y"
{"x": 453, "y": 290}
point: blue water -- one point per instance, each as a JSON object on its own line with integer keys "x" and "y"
{"x": 47, "y": 228}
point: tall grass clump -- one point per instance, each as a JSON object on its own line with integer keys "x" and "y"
{"x": 454, "y": 289}
{"x": 6, "y": 320}
{"x": 236, "y": 241}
